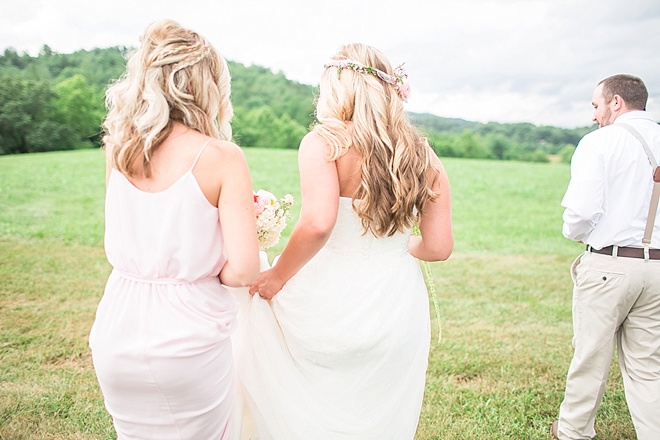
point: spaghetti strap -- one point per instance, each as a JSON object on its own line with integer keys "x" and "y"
{"x": 200, "y": 153}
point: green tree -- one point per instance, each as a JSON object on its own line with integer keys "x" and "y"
{"x": 291, "y": 132}
{"x": 10, "y": 58}
{"x": 498, "y": 145}
{"x": 443, "y": 144}
{"x": 535, "y": 156}
{"x": 470, "y": 145}
{"x": 245, "y": 131}
{"x": 262, "y": 128}
{"x": 49, "y": 135}
{"x": 566, "y": 153}
{"x": 254, "y": 87}
{"x": 80, "y": 108}
{"x": 26, "y": 118}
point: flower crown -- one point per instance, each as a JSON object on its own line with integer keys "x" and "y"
{"x": 397, "y": 79}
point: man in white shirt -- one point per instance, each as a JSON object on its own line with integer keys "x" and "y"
{"x": 616, "y": 295}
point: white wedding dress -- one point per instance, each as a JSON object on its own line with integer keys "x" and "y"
{"x": 341, "y": 351}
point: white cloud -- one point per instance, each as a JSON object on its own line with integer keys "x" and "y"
{"x": 507, "y": 60}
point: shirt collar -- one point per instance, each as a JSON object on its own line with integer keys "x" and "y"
{"x": 634, "y": 114}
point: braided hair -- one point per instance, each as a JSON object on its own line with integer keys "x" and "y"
{"x": 175, "y": 76}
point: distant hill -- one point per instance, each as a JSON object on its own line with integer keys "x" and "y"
{"x": 55, "y": 101}
{"x": 437, "y": 123}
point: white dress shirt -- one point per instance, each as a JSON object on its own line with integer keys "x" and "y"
{"x": 608, "y": 197}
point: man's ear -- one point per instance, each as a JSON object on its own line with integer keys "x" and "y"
{"x": 618, "y": 103}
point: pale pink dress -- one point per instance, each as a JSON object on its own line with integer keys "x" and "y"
{"x": 160, "y": 342}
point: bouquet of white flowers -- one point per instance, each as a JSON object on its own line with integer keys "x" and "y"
{"x": 272, "y": 215}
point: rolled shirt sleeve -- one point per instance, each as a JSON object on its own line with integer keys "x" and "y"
{"x": 584, "y": 197}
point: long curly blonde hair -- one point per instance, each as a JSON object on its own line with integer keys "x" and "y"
{"x": 175, "y": 75}
{"x": 395, "y": 158}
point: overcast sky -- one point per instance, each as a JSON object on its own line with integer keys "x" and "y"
{"x": 483, "y": 60}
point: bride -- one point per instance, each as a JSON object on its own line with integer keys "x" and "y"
{"x": 334, "y": 342}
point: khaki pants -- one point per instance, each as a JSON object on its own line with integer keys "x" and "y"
{"x": 614, "y": 299}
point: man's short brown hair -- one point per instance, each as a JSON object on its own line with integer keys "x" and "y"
{"x": 630, "y": 88}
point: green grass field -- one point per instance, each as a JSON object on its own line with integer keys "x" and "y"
{"x": 504, "y": 298}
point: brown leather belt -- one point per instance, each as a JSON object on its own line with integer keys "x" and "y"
{"x": 628, "y": 252}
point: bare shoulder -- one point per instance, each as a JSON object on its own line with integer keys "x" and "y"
{"x": 435, "y": 173}
{"x": 221, "y": 163}
{"x": 220, "y": 148}
{"x": 313, "y": 144}
{"x": 311, "y": 138}
{"x": 221, "y": 153}
{"x": 220, "y": 159}
{"x": 436, "y": 166}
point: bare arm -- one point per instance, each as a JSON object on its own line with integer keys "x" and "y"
{"x": 236, "y": 212}
{"x": 319, "y": 187}
{"x": 437, "y": 237}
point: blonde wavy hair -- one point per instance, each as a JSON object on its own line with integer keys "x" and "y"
{"x": 175, "y": 75}
{"x": 395, "y": 158}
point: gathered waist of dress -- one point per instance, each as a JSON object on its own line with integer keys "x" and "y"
{"x": 160, "y": 280}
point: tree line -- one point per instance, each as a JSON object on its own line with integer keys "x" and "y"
{"x": 54, "y": 101}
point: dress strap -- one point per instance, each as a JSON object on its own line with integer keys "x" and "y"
{"x": 200, "y": 153}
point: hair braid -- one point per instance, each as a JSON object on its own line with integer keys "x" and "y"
{"x": 175, "y": 75}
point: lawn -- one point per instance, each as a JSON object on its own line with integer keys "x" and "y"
{"x": 504, "y": 299}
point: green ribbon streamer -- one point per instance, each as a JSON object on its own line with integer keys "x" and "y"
{"x": 434, "y": 297}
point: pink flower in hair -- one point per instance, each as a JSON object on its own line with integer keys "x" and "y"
{"x": 397, "y": 79}
{"x": 404, "y": 91}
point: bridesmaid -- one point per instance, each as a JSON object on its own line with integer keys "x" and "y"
{"x": 179, "y": 227}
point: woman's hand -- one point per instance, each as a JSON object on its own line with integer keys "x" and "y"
{"x": 268, "y": 284}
